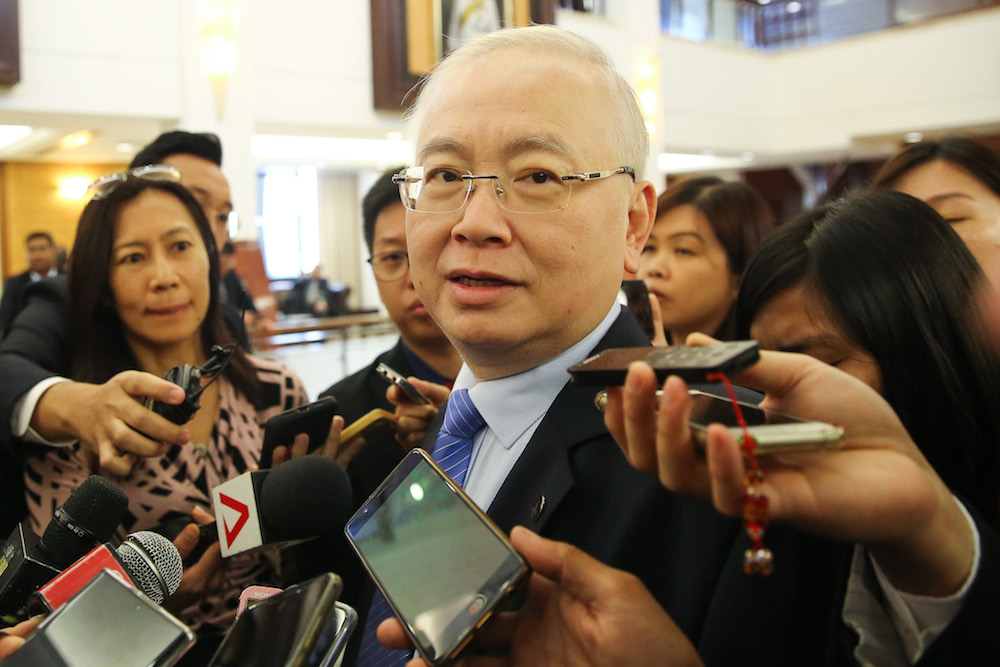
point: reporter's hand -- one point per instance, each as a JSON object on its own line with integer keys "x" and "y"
{"x": 110, "y": 419}
{"x": 578, "y": 612}
{"x": 659, "y": 333}
{"x": 877, "y": 490}
{"x": 300, "y": 446}
{"x": 205, "y": 577}
{"x": 13, "y": 637}
{"x": 412, "y": 419}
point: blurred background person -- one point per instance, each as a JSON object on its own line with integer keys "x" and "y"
{"x": 42, "y": 263}
{"x": 706, "y": 231}
{"x": 311, "y": 295}
{"x": 960, "y": 178}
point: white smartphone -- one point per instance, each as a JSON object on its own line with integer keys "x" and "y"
{"x": 775, "y": 432}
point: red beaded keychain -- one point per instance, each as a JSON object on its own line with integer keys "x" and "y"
{"x": 758, "y": 559}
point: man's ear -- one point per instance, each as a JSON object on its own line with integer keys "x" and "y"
{"x": 641, "y": 216}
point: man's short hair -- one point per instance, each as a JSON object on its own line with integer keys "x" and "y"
{"x": 202, "y": 144}
{"x": 629, "y": 136}
{"x": 39, "y": 235}
{"x": 381, "y": 195}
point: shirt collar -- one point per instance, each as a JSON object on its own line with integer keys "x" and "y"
{"x": 512, "y": 404}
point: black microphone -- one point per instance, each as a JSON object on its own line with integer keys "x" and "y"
{"x": 88, "y": 517}
{"x": 303, "y": 498}
{"x": 146, "y": 560}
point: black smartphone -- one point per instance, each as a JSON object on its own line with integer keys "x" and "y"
{"x": 775, "y": 432}
{"x": 313, "y": 419}
{"x": 690, "y": 363}
{"x": 637, "y": 301}
{"x": 404, "y": 385}
{"x": 294, "y": 628}
{"x": 441, "y": 563}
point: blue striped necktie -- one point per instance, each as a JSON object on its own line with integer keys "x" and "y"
{"x": 452, "y": 451}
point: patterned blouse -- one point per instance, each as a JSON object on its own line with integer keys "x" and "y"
{"x": 166, "y": 488}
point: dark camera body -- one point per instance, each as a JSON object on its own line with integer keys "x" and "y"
{"x": 188, "y": 378}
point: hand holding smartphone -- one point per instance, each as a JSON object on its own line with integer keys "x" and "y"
{"x": 411, "y": 392}
{"x": 371, "y": 424}
{"x": 467, "y": 566}
{"x": 313, "y": 419}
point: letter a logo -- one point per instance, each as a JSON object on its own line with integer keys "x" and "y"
{"x": 244, "y": 511}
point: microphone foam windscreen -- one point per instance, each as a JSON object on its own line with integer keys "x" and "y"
{"x": 153, "y": 562}
{"x": 97, "y": 506}
{"x": 305, "y": 497}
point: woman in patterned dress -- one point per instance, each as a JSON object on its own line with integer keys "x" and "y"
{"x": 143, "y": 292}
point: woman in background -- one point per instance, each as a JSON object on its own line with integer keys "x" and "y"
{"x": 143, "y": 295}
{"x": 960, "y": 178}
{"x": 879, "y": 287}
{"x": 705, "y": 232}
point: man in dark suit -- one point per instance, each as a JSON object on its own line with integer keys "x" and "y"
{"x": 41, "y": 264}
{"x": 522, "y": 217}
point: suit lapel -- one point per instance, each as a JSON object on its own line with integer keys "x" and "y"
{"x": 543, "y": 475}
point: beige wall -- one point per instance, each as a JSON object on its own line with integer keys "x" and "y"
{"x": 30, "y": 201}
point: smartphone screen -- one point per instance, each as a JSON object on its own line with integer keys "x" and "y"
{"x": 774, "y": 431}
{"x": 107, "y": 622}
{"x": 284, "y": 629}
{"x": 439, "y": 561}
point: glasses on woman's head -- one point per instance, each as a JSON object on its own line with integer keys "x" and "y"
{"x": 157, "y": 173}
{"x": 447, "y": 189}
{"x": 390, "y": 266}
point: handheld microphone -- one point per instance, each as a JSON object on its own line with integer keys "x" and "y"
{"x": 298, "y": 500}
{"x": 145, "y": 560}
{"x": 87, "y": 518}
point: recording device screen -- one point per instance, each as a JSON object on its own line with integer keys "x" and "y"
{"x": 93, "y": 626}
{"x": 296, "y": 627}
{"x": 439, "y": 561}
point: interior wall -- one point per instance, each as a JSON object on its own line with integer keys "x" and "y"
{"x": 30, "y": 201}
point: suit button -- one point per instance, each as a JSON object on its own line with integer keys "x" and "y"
{"x": 536, "y": 511}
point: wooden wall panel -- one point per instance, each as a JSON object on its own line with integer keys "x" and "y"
{"x": 30, "y": 201}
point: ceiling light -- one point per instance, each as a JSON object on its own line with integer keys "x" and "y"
{"x": 74, "y": 187}
{"x": 11, "y": 133}
{"x": 76, "y": 140}
{"x": 793, "y": 7}
{"x": 125, "y": 147}
{"x": 913, "y": 137}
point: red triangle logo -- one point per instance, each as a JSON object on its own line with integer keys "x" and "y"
{"x": 244, "y": 511}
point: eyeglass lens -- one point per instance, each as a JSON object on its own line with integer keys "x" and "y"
{"x": 444, "y": 190}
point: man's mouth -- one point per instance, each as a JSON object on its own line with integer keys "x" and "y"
{"x": 479, "y": 282}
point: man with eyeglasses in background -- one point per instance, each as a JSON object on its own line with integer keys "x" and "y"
{"x": 33, "y": 358}
{"x": 423, "y": 354}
